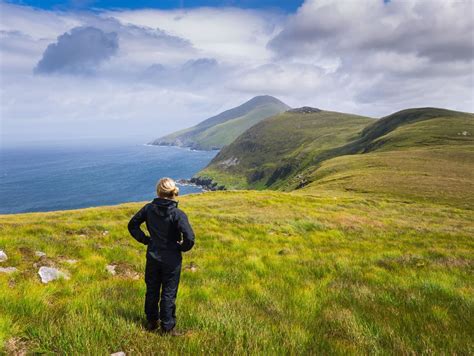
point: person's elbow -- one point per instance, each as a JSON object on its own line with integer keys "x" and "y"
{"x": 131, "y": 227}
{"x": 187, "y": 244}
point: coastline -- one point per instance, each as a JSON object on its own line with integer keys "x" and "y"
{"x": 64, "y": 179}
{"x": 188, "y": 148}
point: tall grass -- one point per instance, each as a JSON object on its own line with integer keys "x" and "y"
{"x": 273, "y": 273}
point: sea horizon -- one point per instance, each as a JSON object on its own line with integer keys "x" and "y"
{"x": 67, "y": 177}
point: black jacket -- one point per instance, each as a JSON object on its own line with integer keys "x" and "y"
{"x": 168, "y": 226}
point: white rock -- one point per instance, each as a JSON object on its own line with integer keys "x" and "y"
{"x": 3, "y": 256}
{"x": 40, "y": 254}
{"x": 120, "y": 353}
{"x": 8, "y": 270}
{"x": 48, "y": 274}
{"x": 111, "y": 269}
{"x": 71, "y": 261}
{"x": 105, "y": 233}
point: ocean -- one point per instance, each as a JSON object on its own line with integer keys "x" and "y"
{"x": 69, "y": 177}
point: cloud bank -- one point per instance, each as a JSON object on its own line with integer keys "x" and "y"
{"x": 138, "y": 74}
{"x": 78, "y": 51}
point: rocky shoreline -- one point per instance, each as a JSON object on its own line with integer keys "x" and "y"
{"x": 205, "y": 183}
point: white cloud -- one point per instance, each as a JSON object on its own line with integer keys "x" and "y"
{"x": 174, "y": 68}
{"x": 228, "y": 34}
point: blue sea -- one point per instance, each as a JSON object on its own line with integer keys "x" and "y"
{"x": 63, "y": 177}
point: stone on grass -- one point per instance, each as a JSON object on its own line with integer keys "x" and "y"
{"x": 8, "y": 270}
{"x": 191, "y": 267}
{"x": 40, "y": 254}
{"x": 71, "y": 261}
{"x": 3, "y": 256}
{"x": 111, "y": 269}
{"x": 120, "y": 353}
{"x": 48, "y": 274}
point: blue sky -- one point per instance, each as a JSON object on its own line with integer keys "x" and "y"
{"x": 286, "y": 5}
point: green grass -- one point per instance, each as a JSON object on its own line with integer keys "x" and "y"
{"x": 438, "y": 175}
{"x": 320, "y": 272}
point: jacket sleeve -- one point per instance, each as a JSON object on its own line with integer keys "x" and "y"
{"x": 186, "y": 231}
{"x": 134, "y": 226}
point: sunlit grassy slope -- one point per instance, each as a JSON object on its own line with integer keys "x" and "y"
{"x": 321, "y": 272}
{"x": 424, "y": 153}
{"x": 430, "y": 159}
{"x": 273, "y": 150}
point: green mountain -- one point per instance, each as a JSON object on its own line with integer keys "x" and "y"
{"x": 222, "y": 129}
{"x": 423, "y": 152}
{"x": 267, "y": 154}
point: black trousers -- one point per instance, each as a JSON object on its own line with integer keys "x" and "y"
{"x": 162, "y": 280}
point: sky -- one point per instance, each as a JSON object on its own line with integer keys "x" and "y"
{"x": 131, "y": 71}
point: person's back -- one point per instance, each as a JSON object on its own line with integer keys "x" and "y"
{"x": 170, "y": 234}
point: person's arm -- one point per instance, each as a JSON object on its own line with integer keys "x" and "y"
{"x": 134, "y": 226}
{"x": 186, "y": 231}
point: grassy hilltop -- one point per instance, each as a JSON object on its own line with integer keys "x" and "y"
{"x": 222, "y": 129}
{"x": 363, "y": 244}
{"x": 424, "y": 153}
{"x": 272, "y": 273}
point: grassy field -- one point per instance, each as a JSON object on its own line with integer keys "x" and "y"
{"x": 314, "y": 271}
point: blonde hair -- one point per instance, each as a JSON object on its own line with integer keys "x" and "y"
{"x": 166, "y": 188}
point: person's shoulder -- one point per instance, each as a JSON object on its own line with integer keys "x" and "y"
{"x": 178, "y": 212}
{"x": 146, "y": 206}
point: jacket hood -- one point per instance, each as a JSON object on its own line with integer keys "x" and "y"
{"x": 166, "y": 204}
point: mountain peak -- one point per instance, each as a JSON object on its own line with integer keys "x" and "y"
{"x": 220, "y": 130}
{"x": 264, "y": 99}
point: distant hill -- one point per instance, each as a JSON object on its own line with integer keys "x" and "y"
{"x": 222, "y": 129}
{"x": 424, "y": 153}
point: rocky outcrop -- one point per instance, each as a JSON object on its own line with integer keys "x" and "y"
{"x": 304, "y": 110}
{"x": 206, "y": 183}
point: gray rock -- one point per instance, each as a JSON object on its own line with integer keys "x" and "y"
{"x": 3, "y": 256}
{"x": 111, "y": 269}
{"x": 232, "y": 161}
{"x": 8, "y": 270}
{"x": 48, "y": 274}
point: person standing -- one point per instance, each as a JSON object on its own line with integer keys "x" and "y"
{"x": 170, "y": 235}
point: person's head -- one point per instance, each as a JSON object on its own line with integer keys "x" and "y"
{"x": 167, "y": 189}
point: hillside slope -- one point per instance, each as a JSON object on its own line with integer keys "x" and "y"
{"x": 222, "y": 129}
{"x": 267, "y": 154}
{"x": 271, "y": 273}
{"x": 425, "y": 153}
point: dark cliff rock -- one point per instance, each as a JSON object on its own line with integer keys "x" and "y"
{"x": 205, "y": 183}
{"x": 304, "y": 110}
